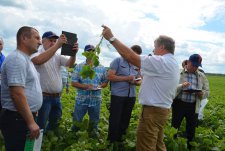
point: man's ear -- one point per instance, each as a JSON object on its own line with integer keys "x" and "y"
{"x": 25, "y": 37}
{"x": 161, "y": 47}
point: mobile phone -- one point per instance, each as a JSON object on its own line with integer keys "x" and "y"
{"x": 137, "y": 79}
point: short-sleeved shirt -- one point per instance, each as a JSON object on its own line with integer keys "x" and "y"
{"x": 160, "y": 80}
{"x": 50, "y": 74}
{"x": 2, "y": 58}
{"x": 18, "y": 70}
{"x": 89, "y": 97}
{"x": 123, "y": 68}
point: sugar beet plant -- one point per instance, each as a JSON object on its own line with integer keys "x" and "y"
{"x": 210, "y": 133}
{"x": 87, "y": 70}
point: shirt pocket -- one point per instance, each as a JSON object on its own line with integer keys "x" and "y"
{"x": 124, "y": 70}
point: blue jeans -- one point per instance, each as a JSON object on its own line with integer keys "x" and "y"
{"x": 51, "y": 111}
{"x": 93, "y": 113}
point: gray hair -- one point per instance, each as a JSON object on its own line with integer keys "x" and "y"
{"x": 167, "y": 42}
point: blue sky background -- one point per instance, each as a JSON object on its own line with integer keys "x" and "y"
{"x": 196, "y": 26}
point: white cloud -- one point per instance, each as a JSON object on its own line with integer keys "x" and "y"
{"x": 132, "y": 21}
{"x": 22, "y": 4}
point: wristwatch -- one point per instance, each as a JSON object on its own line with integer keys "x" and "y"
{"x": 112, "y": 39}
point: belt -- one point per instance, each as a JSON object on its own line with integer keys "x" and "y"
{"x": 16, "y": 114}
{"x": 51, "y": 94}
{"x": 148, "y": 106}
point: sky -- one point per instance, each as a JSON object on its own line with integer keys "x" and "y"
{"x": 197, "y": 26}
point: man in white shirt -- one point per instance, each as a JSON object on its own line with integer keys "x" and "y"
{"x": 47, "y": 63}
{"x": 160, "y": 78}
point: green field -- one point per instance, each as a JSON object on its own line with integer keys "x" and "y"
{"x": 210, "y": 134}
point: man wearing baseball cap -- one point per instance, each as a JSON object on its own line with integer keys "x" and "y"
{"x": 88, "y": 96}
{"x": 47, "y": 63}
{"x": 89, "y": 48}
{"x": 193, "y": 87}
{"x": 196, "y": 60}
{"x": 49, "y": 34}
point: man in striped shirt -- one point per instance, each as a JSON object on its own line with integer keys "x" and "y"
{"x": 21, "y": 92}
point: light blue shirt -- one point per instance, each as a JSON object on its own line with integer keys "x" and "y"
{"x": 2, "y": 58}
{"x": 123, "y": 68}
{"x": 89, "y": 97}
{"x": 18, "y": 70}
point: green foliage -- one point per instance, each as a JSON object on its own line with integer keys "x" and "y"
{"x": 87, "y": 71}
{"x": 209, "y": 136}
{"x": 93, "y": 56}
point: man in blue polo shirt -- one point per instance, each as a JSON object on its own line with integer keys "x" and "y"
{"x": 122, "y": 76}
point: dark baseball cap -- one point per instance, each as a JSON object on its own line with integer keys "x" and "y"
{"x": 89, "y": 48}
{"x": 196, "y": 60}
{"x": 50, "y": 34}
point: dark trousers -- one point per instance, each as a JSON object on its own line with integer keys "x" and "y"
{"x": 0, "y": 99}
{"x": 14, "y": 130}
{"x": 180, "y": 110}
{"x": 120, "y": 113}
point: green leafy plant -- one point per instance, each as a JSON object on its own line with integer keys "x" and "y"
{"x": 209, "y": 136}
{"x": 93, "y": 56}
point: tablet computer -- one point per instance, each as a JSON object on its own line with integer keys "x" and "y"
{"x": 192, "y": 90}
{"x": 67, "y": 48}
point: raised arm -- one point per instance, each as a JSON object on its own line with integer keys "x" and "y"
{"x": 47, "y": 54}
{"x": 122, "y": 49}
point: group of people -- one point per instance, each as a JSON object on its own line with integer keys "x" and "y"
{"x": 31, "y": 84}
{"x": 164, "y": 85}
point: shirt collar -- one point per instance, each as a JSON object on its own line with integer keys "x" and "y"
{"x": 185, "y": 71}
